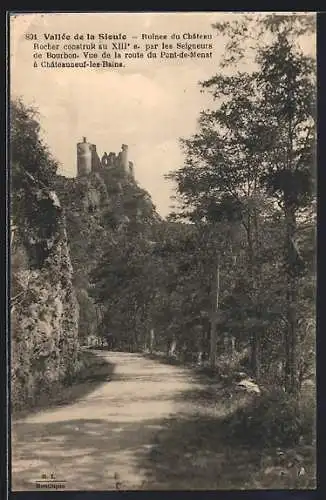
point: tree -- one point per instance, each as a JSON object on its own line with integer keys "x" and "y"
{"x": 32, "y": 170}
{"x": 31, "y": 161}
{"x": 288, "y": 94}
{"x": 254, "y": 153}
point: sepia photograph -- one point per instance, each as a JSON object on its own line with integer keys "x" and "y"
{"x": 163, "y": 187}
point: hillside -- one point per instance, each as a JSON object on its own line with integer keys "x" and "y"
{"x": 98, "y": 207}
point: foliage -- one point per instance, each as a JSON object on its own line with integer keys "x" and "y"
{"x": 274, "y": 420}
{"x": 32, "y": 165}
{"x": 252, "y": 161}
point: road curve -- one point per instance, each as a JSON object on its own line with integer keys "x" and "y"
{"x": 97, "y": 443}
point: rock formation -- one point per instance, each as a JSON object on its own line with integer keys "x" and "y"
{"x": 44, "y": 308}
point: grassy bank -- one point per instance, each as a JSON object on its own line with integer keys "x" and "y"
{"x": 233, "y": 440}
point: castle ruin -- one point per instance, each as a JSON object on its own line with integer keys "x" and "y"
{"x": 89, "y": 161}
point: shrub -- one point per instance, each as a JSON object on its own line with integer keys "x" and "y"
{"x": 274, "y": 419}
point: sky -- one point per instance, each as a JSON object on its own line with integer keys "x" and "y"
{"x": 147, "y": 105}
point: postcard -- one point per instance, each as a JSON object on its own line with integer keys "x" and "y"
{"x": 163, "y": 250}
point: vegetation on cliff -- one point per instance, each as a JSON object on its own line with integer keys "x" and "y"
{"x": 44, "y": 309}
{"x": 99, "y": 208}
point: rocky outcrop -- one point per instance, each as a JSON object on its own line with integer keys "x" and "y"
{"x": 44, "y": 308}
{"x": 97, "y": 207}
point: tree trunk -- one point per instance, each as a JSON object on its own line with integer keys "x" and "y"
{"x": 216, "y": 294}
{"x": 199, "y": 343}
{"x": 232, "y": 345}
{"x": 255, "y": 344}
{"x": 253, "y": 249}
{"x": 291, "y": 362}
{"x": 255, "y": 354}
{"x": 173, "y": 347}
{"x": 291, "y": 261}
{"x": 151, "y": 340}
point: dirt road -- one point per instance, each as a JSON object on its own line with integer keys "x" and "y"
{"x": 101, "y": 441}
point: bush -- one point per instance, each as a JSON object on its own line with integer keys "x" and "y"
{"x": 274, "y": 419}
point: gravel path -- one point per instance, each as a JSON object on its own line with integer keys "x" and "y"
{"x": 98, "y": 442}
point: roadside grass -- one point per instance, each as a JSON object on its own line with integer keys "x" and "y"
{"x": 205, "y": 371}
{"x": 209, "y": 374}
{"x": 92, "y": 371}
{"x": 165, "y": 358}
{"x": 196, "y": 454}
{"x": 231, "y": 440}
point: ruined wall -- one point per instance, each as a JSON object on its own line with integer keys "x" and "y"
{"x": 96, "y": 162}
{"x": 89, "y": 161}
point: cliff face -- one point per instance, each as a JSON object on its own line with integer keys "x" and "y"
{"x": 44, "y": 309}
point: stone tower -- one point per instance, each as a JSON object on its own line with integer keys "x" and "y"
{"x": 84, "y": 158}
{"x": 124, "y": 157}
